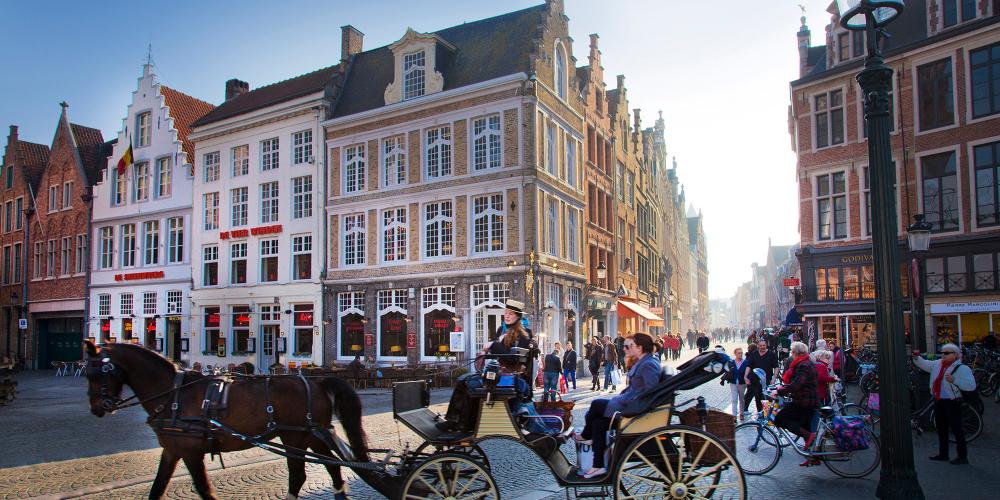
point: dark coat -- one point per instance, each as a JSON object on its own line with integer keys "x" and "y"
{"x": 596, "y": 357}
{"x": 569, "y": 360}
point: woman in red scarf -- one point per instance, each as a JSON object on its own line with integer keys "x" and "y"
{"x": 799, "y": 383}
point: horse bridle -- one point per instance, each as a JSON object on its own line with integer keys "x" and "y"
{"x": 107, "y": 370}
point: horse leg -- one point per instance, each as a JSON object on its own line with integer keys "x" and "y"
{"x": 296, "y": 467}
{"x": 168, "y": 462}
{"x": 196, "y": 466}
{"x": 340, "y": 489}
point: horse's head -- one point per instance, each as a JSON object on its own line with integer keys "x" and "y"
{"x": 104, "y": 379}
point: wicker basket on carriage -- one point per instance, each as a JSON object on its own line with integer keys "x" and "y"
{"x": 719, "y": 423}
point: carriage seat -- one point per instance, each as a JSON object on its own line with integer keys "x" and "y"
{"x": 689, "y": 375}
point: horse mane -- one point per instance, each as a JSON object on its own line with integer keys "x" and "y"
{"x": 144, "y": 354}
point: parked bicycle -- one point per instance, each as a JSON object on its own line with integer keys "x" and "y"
{"x": 922, "y": 420}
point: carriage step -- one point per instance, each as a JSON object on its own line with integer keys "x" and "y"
{"x": 601, "y": 492}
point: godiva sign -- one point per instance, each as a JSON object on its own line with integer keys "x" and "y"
{"x": 856, "y": 259}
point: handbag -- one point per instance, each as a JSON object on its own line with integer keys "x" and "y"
{"x": 616, "y": 377}
{"x": 557, "y": 408}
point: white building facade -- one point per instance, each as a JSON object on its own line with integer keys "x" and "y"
{"x": 140, "y": 278}
{"x": 257, "y": 244}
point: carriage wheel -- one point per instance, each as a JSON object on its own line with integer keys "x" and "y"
{"x": 450, "y": 476}
{"x": 473, "y": 451}
{"x": 679, "y": 462}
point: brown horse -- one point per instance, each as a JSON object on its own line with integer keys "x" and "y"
{"x": 184, "y": 435}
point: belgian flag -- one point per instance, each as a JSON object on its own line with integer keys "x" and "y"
{"x": 126, "y": 159}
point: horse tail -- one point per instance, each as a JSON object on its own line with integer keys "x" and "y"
{"x": 347, "y": 406}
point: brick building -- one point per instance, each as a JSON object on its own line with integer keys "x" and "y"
{"x": 57, "y": 240}
{"x": 23, "y": 163}
{"x": 946, "y": 149}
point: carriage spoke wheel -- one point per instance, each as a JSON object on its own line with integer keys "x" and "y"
{"x": 450, "y": 476}
{"x": 679, "y": 462}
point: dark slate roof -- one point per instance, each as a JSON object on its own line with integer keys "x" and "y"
{"x": 779, "y": 253}
{"x": 693, "y": 229}
{"x": 33, "y": 159}
{"x": 93, "y": 151}
{"x": 816, "y": 59}
{"x": 184, "y": 109}
{"x": 270, "y": 95}
{"x": 484, "y": 50}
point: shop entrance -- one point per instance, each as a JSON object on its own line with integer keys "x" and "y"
{"x": 173, "y": 338}
{"x": 60, "y": 339}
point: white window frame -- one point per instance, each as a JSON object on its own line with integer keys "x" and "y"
{"x": 175, "y": 240}
{"x": 269, "y": 202}
{"x": 831, "y": 196}
{"x": 828, "y": 113}
{"x": 50, "y": 259}
{"x": 37, "y": 261}
{"x": 211, "y": 166}
{"x": 487, "y": 142}
{"x": 570, "y": 160}
{"x": 438, "y": 152}
{"x": 104, "y": 304}
{"x": 394, "y": 235}
{"x": 269, "y": 248}
{"x": 551, "y": 155}
{"x": 270, "y": 154}
{"x": 164, "y": 177}
{"x": 144, "y": 129}
{"x": 238, "y": 251}
{"x": 210, "y": 255}
{"x": 107, "y": 257}
{"x": 414, "y": 74}
{"x": 355, "y": 168}
{"x": 394, "y": 161}
{"x": 149, "y": 303}
{"x": 210, "y": 212}
{"x": 120, "y": 189}
{"x": 67, "y": 199}
{"x": 438, "y": 225}
{"x": 302, "y": 147}
{"x": 552, "y": 225}
{"x": 573, "y": 217}
{"x": 151, "y": 243}
{"x": 175, "y": 302}
{"x": 354, "y": 244}
{"x": 81, "y": 253}
{"x": 489, "y": 212}
{"x": 240, "y": 159}
{"x": 239, "y": 199}
{"x": 125, "y": 304}
{"x": 302, "y": 244}
{"x": 65, "y": 256}
{"x": 53, "y": 198}
{"x": 140, "y": 181}
{"x": 389, "y": 301}
{"x": 559, "y": 71}
{"x": 302, "y": 196}
{"x": 127, "y": 234}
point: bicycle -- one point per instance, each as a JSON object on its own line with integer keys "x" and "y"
{"x": 923, "y": 420}
{"x": 759, "y": 444}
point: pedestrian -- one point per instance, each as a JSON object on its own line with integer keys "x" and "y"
{"x": 825, "y": 377}
{"x": 569, "y": 365}
{"x": 949, "y": 377}
{"x": 551, "y": 372}
{"x": 620, "y": 346}
{"x": 990, "y": 342}
{"x": 610, "y": 362}
{"x": 799, "y": 381}
{"x": 764, "y": 359}
{"x": 734, "y": 376}
{"x": 690, "y": 339}
{"x": 702, "y": 342}
{"x": 594, "y": 361}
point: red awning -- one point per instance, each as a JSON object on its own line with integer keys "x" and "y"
{"x": 634, "y": 309}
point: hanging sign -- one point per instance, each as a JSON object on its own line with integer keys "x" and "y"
{"x": 411, "y": 341}
{"x": 369, "y": 339}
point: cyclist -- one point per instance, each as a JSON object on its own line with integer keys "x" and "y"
{"x": 800, "y": 383}
{"x": 948, "y": 378}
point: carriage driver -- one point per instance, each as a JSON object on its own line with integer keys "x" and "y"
{"x": 512, "y": 333}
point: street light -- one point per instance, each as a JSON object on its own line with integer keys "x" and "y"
{"x": 918, "y": 235}
{"x": 602, "y": 273}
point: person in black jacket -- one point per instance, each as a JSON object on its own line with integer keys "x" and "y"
{"x": 550, "y": 375}
{"x": 594, "y": 363}
{"x": 569, "y": 365}
{"x": 702, "y": 343}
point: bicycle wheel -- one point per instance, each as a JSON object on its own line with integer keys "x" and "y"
{"x": 853, "y": 410}
{"x": 756, "y": 450}
{"x": 851, "y": 464}
{"x": 996, "y": 397}
{"x": 972, "y": 424}
{"x": 982, "y": 377}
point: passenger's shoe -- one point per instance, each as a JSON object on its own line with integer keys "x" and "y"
{"x": 595, "y": 472}
{"x": 960, "y": 461}
{"x": 939, "y": 458}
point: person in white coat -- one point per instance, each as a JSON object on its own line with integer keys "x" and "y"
{"x": 949, "y": 377}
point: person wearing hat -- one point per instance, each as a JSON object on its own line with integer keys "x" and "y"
{"x": 949, "y": 377}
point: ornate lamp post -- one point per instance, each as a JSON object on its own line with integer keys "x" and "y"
{"x": 602, "y": 273}
{"x": 898, "y": 478}
{"x": 918, "y": 235}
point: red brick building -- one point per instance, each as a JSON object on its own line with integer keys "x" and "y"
{"x": 57, "y": 244}
{"x": 946, "y": 149}
{"x": 22, "y": 166}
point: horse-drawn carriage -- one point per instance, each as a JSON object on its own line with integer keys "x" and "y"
{"x": 650, "y": 456}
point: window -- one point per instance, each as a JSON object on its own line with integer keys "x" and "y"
{"x": 392, "y": 322}
{"x": 268, "y": 260}
{"x": 302, "y": 147}
{"x": 940, "y": 190}
{"x": 128, "y": 245}
{"x": 8, "y": 219}
{"x": 239, "y": 199}
{"x": 104, "y": 304}
{"x": 269, "y": 202}
{"x": 831, "y": 205}
{"x": 620, "y": 178}
{"x": 621, "y": 245}
{"x": 143, "y": 127}
{"x": 213, "y": 338}
{"x": 241, "y": 160}
{"x": 439, "y": 319}
{"x": 642, "y": 265}
{"x": 413, "y": 75}
{"x": 843, "y": 46}
{"x": 934, "y": 94}
{"x": 851, "y": 288}
{"x": 987, "y": 163}
{"x": 125, "y": 304}
{"x": 67, "y": 201}
{"x": 570, "y": 158}
{"x": 121, "y": 188}
{"x": 18, "y": 213}
{"x": 572, "y": 235}
{"x": 148, "y": 303}
{"x": 151, "y": 242}
{"x": 486, "y": 142}
{"x": 488, "y": 223}
{"x": 238, "y": 263}
{"x": 164, "y": 178}
{"x": 303, "y": 322}
{"x": 10, "y": 176}
{"x": 438, "y": 152}
{"x": 489, "y": 295}
{"x": 829, "y": 110}
{"x": 107, "y": 248}
{"x": 827, "y": 284}
{"x": 211, "y": 218}
{"x": 53, "y": 198}
{"x": 859, "y": 43}
{"x": 140, "y": 181}
{"x": 560, "y": 72}
{"x": 550, "y": 150}
{"x": 37, "y": 264}
{"x": 174, "y": 302}
{"x": 438, "y": 223}
{"x": 950, "y": 11}
{"x": 393, "y": 161}
{"x": 351, "y": 310}
{"x": 354, "y": 240}
{"x": 175, "y": 240}
{"x": 631, "y": 188}
{"x": 240, "y": 324}
{"x": 552, "y": 227}
{"x": 18, "y": 251}
{"x": 985, "y": 67}
{"x": 302, "y": 257}
{"x": 269, "y": 154}
{"x": 946, "y": 274}
{"x": 6, "y": 266}
{"x": 354, "y": 168}
{"x": 394, "y": 234}
{"x": 302, "y": 197}
{"x": 211, "y": 166}
{"x": 210, "y": 265}
{"x": 983, "y": 271}
{"x": 81, "y": 252}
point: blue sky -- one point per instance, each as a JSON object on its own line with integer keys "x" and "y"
{"x": 719, "y": 71}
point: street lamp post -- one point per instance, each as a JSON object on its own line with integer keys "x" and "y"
{"x": 918, "y": 235}
{"x": 898, "y": 478}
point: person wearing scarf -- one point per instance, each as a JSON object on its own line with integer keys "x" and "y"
{"x": 949, "y": 377}
{"x": 799, "y": 383}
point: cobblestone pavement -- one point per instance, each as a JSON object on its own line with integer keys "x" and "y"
{"x": 256, "y": 474}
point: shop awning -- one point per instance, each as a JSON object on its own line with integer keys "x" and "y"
{"x": 631, "y": 308}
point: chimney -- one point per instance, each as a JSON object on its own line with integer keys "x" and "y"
{"x": 351, "y": 42}
{"x": 803, "y": 37}
{"x": 621, "y": 82}
{"x": 638, "y": 122}
{"x": 236, "y": 87}
{"x": 13, "y": 135}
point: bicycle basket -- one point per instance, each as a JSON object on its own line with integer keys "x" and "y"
{"x": 849, "y": 433}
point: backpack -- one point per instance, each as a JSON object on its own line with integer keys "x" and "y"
{"x": 970, "y": 397}
{"x": 849, "y": 433}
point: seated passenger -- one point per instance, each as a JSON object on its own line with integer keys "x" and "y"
{"x": 643, "y": 374}
{"x": 461, "y": 414}
{"x": 800, "y": 382}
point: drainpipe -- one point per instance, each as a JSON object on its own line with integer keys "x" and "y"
{"x": 23, "y": 310}
{"x": 88, "y": 198}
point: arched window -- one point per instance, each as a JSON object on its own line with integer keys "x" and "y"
{"x": 560, "y": 70}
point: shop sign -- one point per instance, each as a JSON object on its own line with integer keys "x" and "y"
{"x": 149, "y": 275}
{"x": 411, "y": 341}
{"x": 598, "y": 303}
{"x": 22, "y": 324}
{"x": 369, "y": 339}
{"x": 856, "y": 259}
{"x": 457, "y": 342}
{"x": 256, "y": 231}
{"x": 656, "y": 310}
{"x": 791, "y": 282}
{"x": 965, "y": 307}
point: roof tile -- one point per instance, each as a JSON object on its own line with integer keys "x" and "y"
{"x": 271, "y": 94}
{"x": 184, "y": 109}
{"x": 93, "y": 151}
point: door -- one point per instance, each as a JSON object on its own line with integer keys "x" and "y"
{"x": 487, "y": 322}
{"x": 173, "y": 338}
{"x": 61, "y": 339}
{"x": 268, "y": 341}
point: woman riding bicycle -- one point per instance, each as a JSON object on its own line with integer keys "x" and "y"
{"x": 800, "y": 383}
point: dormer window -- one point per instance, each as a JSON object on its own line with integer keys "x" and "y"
{"x": 955, "y": 11}
{"x": 413, "y": 75}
